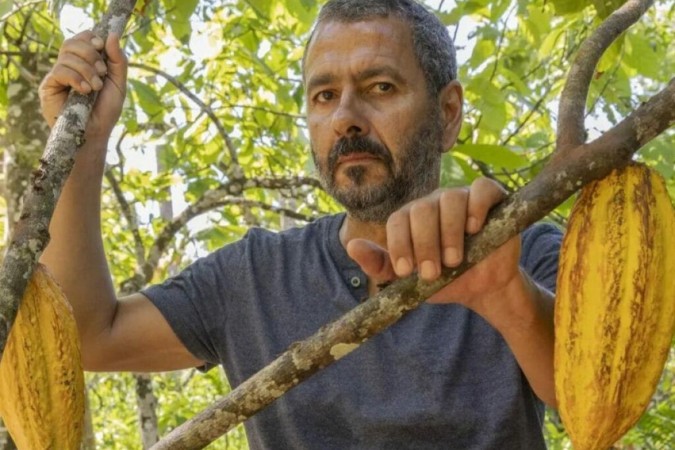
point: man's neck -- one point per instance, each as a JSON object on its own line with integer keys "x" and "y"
{"x": 352, "y": 228}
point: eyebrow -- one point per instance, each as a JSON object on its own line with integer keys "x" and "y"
{"x": 373, "y": 72}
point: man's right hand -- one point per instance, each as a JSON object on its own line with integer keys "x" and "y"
{"x": 81, "y": 66}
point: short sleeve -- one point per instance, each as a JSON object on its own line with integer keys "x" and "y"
{"x": 539, "y": 253}
{"x": 194, "y": 301}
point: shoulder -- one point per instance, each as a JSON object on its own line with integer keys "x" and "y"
{"x": 264, "y": 246}
{"x": 319, "y": 228}
{"x": 541, "y": 235}
{"x": 539, "y": 253}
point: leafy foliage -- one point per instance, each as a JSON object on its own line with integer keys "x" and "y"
{"x": 214, "y": 119}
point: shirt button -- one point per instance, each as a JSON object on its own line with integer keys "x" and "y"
{"x": 355, "y": 281}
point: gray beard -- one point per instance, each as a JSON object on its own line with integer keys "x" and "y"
{"x": 414, "y": 175}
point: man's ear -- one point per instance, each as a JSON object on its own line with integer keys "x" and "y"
{"x": 451, "y": 99}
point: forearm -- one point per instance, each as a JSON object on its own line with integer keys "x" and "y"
{"x": 75, "y": 253}
{"x": 524, "y": 317}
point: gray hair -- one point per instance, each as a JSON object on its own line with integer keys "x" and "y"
{"x": 432, "y": 43}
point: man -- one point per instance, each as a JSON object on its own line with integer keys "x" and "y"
{"x": 383, "y": 104}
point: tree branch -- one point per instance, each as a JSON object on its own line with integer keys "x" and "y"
{"x": 571, "y": 130}
{"x": 216, "y": 198}
{"x": 130, "y": 217}
{"x": 31, "y": 233}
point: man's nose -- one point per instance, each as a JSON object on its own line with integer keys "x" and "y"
{"x": 349, "y": 119}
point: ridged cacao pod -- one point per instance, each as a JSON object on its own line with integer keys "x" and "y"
{"x": 41, "y": 377}
{"x": 615, "y": 305}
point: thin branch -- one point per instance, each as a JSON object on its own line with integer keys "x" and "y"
{"x": 238, "y": 201}
{"x": 19, "y": 9}
{"x": 215, "y": 198}
{"x": 571, "y": 131}
{"x": 500, "y": 44}
{"x": 260, "y": 108}
{"x": 206, "y": 108}
{"x": 526, "y": 119}
{"x": 129, "y": 216}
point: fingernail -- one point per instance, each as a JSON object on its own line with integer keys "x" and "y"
{"x": 403, "y": 267}
{"x": 97, "y": 42}
{"x": 473, "y": 225}
{"x": 96, "y": 83}
{"x": 451, "y": 256}
{"x": 428, "y": 270}
{"x": 101, "y": 67}
{"x": 85, "y": 86}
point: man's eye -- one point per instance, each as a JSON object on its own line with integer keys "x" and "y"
{"x": 384, "y": 87}
{"x": 325, "y": 96}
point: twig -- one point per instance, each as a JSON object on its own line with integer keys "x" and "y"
{"x": 573, "y": 98}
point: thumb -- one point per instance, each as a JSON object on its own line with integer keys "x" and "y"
{"x": 373, "y": 259}
{"x": 117, "y": 60}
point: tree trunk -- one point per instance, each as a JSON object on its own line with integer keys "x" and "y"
{"x": 147, "y": 409}
{"x": 88, "y": 436}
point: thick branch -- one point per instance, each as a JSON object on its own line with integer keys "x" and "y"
{"x": 563, "y": 176}
{"x": 571, "y": 130}
{"x": 31, "y": 233}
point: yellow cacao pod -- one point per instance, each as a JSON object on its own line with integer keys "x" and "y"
{"x": 41, "y": 377}
{"x": 615, "y": 305}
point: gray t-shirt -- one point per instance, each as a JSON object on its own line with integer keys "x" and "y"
{"x": 441, "y": 378}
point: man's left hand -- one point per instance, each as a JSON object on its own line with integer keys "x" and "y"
{"x": 429, "y": 232}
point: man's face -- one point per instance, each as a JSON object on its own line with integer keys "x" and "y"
{"x": 376, "y": 135}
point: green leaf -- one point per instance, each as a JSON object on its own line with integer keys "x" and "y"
{"x": 607, "y": 7}
{"x": 563, "y": 7}
{"x": 483, "y": 50}
{"x": 495, "y": 155}
{"x": 642, "y": 55}
{"x": 147, "y": 98}
{"x": 261, "y": 7}
{"x": 5, "y": 7}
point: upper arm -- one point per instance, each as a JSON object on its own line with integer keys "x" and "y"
{"x": 139, "y": 339}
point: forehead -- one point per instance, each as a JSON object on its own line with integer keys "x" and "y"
{"x": 355, "y": 46}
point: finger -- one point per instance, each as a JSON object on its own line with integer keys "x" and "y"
{"x": 86, "y": 51}
{"x": 483, "y": 195}
{"x": 453, "y": 205}
{"x": 87, "y": 73}
{"x": 426, "y": 238}
{"x": 117, "y": 60}
{"x": 399, "y": 244}
{"x": 60, "y": 79}
{"x": 373, "y": 259}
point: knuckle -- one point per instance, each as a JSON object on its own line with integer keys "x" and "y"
{"x": 422, "y": 209}
{"x": 397, "y": 219}
{"x": 450, "y": 196}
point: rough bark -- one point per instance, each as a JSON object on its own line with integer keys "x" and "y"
{"x": 574, "y": 165}
{"x": 31, "y": 233}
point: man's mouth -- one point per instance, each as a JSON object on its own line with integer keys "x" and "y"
{"x": 357, "y": 157}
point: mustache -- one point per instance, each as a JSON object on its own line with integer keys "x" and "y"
{"x": 359, "y": 144}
